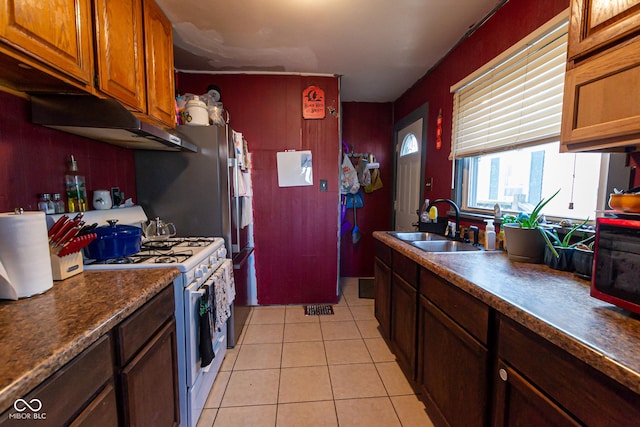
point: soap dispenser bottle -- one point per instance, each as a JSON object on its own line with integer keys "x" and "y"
{"x": 76, "y": 188}
{"x": 489, "y": 235}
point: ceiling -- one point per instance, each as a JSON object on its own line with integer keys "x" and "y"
{"x": 379, "y": 47}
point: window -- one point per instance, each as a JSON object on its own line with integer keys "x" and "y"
{"x": 506, "y": 129}
{"x": 409, "y": 145}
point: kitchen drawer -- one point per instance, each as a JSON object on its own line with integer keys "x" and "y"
{"x": 383, "y": 252}
{"x": 65, "y": 393}
{"x": 589, "y": 395}
{"x": 468, "y": 312}
{"x": 138, "y": 328}
{"x": 103, "y": 410}
{"x": 406, "y": 268}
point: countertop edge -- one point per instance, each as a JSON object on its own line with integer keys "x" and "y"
{"x": 584, "y": 351}
{"x": 24, "y": 384}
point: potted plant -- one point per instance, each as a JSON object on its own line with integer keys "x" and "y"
{"x": 559, "y": 252}
{"x": 583, "y": 260}
{"x": 524, "y": 242}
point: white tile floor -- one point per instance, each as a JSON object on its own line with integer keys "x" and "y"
{"x": 295, "y": 370}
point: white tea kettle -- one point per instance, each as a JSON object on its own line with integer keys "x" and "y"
{"x": 159, "y": 230}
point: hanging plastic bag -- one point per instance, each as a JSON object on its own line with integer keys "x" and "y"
{"x": 376, "y": 182}
{"x": 349, "y": 177}
{"x": 364, "y": 176}
{"x": 355, "y": 200}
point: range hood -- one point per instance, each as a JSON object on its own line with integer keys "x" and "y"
{"x": 104, "y": 120}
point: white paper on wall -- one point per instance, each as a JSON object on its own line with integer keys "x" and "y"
{"x": 294, "y": 168}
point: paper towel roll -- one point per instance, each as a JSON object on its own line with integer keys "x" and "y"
{"x": 25, "y": 265}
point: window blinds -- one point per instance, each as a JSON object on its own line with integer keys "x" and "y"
{"x": 514, "y": 103}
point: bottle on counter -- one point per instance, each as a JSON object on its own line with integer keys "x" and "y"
{"x": 502, "y": 242}
{"x": 45, "y": 204}
{"x": 76, "y": 189}
{"x": 58, "y": 203}
{"x": 489, "y": 235}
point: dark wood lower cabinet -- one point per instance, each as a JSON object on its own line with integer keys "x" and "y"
{"x": 150, "y": 383}
{"x": 519, "y": 403}
{"x": 144, "y": 390}
{"x": 477, "y": 367}
{"x": 403, "y": 324}
{"x": 581, "y": 391}
{"x": 382, "y": 307}
{"x": 453, "y": 370}
{"x": 103, "y": 411}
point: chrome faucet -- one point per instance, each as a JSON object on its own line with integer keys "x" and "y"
{"x": 456, "y": 208}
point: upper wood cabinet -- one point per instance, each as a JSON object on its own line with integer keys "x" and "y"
{"x": 120, "y": 51}
{"x": 52, "y": 36}
{"x": 602, "y": 84}
{"x": 134, "y": 45}
{"x": 597, "y": 23}
{"x": 159, "y": 60}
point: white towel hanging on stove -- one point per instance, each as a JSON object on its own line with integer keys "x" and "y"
{"x": 223, "y": 297}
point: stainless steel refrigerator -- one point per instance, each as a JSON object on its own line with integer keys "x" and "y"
{"x": 194, "y": 192}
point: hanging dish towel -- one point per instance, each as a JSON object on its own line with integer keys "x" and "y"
{"x": 223, "y": 303}
{"x": 205, "y": 345}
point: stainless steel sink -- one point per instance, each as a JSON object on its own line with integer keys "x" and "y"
{"x": 444, "y": 246}
{"x": 416, "y": 236}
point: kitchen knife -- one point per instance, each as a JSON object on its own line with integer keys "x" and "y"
{"x": 61, "y": 232}
{"x": 56, "y": 226}
{"x": 68, "y": 236}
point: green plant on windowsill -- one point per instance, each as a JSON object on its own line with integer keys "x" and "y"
{"x": 554, "y": 241}
{"x": 523, "y": 240}
{"x": 531, "y": 220}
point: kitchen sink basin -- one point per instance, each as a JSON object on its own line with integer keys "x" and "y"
{"x": 444, "y": 246}
{"x": 416, "y": 236}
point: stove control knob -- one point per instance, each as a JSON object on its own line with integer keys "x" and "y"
{"x": 222, "y": 252}
{"x": 213, "y": 259}
{"x": 205, "y": 269}
{"x": 198, "y": 273}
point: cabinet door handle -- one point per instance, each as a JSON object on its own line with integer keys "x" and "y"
{"x": 503, "y": 374}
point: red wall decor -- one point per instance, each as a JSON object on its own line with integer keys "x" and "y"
{"x": 295, "y": 228}
{"x": 313, "y": 103}
{"x": 35, "y": 158}
{"x": 439, "y": 130}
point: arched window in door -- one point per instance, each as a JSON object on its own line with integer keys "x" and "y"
{"x": 409, "y": 145}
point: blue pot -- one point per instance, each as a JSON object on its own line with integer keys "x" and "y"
{"x": 114, "y": 241}
{"x": 563, "y": 262}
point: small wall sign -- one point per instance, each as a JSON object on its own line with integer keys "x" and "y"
{"x": 313, "y": 103}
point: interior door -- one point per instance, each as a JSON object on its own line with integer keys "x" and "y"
{"x": 408, "y": 162}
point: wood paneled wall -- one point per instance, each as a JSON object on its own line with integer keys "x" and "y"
{"x": 34, "y": 159}
{"x": 295, "y": 228}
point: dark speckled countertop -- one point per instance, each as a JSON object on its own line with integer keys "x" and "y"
{"x": 556, "y": 305}
{"x": 39, "y": 335}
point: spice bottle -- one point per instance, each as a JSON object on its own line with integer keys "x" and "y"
{"x": 58, "y": 203}
{"x": 45, "y": 204}
{"x": 76, "y": 189}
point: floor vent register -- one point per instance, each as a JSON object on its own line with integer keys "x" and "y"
{"x": 318, "y": 310}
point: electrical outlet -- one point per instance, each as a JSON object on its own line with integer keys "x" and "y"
{"x": 324, "y": 185}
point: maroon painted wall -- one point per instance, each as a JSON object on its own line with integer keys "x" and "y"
{"x": 512, "y": 22}
{"x": 368, "y": 127}
{"x": 34, "y": 159}
{"x": 295, "y": 228}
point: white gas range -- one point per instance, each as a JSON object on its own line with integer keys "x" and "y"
{"x": 205, "y": 272}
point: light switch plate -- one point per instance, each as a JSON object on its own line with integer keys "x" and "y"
{"x": 428, "y": 184}
{"x": 324, "y": 185}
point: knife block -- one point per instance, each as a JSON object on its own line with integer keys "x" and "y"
{"x": 66, "y": 266}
